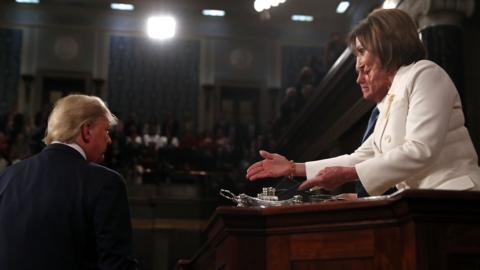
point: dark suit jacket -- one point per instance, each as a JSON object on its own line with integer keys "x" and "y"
{"x": 59, "y": 211}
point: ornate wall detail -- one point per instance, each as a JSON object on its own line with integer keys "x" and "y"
{"x": 439, "y": 12}
{"x": 151, "y": 79}
{"x": 241, "y": 58}
{"x": 10, "y": 50}
{"x": 66, "y": 48}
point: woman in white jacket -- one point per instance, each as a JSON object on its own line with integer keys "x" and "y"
{"x": 419, "y": 140}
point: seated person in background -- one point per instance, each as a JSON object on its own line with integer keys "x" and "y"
{"x": 419, "y": 140}
{"x": 152, "y": 137}
{"x": 60, "y": 210}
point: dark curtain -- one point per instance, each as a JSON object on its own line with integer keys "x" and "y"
{"x": 10, "y": 50}
{"x": 151, "y": 78}
{"x": 444, "y": 44}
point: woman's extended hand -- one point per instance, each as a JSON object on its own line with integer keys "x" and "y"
{"x": 273, "y": 165}
{"x": 330, "y": 178}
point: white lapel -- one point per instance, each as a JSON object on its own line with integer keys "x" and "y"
{"x": 384, "y": 107}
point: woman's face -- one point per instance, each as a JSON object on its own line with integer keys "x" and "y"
{"x": 373, "y": 80}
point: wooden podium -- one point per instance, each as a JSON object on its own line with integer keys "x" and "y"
{"x": 414, "y": 229}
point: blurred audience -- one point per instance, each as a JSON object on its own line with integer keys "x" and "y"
{"x": 151, "y": 154}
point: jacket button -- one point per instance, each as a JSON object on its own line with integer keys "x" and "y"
{"x": 388, "y": 138}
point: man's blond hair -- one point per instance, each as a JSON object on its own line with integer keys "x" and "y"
{"x": 70, "y": 113}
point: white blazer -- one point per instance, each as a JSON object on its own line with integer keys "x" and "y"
{"x": 419, "y": 140}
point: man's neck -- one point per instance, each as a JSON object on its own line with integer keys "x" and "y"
{"x": 74, "y": 146}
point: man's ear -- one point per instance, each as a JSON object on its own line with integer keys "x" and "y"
{"x": 85, "y": 132}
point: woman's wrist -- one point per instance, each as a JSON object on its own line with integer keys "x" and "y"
{"x": 291, "y": 169}
{"x": 351, "y": 174}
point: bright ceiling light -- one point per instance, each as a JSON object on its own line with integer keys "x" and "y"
{"x": 258, "y": 6}
{"x": 122, "y": 6}
{"x": 261, "y": 5}
{"x": 213, "y": 12}
{"x": 302, "y": 18}
{"x": 274, "y": 3}
{"x": 28, "y": 1}
{"x": 343, "y": 6}
{"x": 389, "y": 4}
{"x": 161, "y": 27}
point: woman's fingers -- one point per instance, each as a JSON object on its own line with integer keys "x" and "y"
{"x": 312, "y": 182}
{"x": 260, "y": 169}
{"x": 254, "y": 169}
{"x": 309, "y": 183}
{"x": 258, "y": 175}
{"x": 266, "y": 155}
{"x": 330, "y": 178}
{"x": 270, "y": 166}
{"x": 254, "y": 165}
{"x": 326, "y": 178}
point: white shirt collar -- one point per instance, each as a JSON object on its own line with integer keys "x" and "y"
{"x": 381, "y": 104}
{"x": 74, "y": 146}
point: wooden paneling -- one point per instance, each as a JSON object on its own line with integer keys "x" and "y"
{"x": 415, "y": 229}
{"x": 342, "y": 244}
{"x": 334, "y": 264}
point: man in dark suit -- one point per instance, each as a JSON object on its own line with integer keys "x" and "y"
{"x": 60, "y": 210}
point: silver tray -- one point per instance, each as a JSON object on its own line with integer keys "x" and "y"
{"x": 244, "y": 200}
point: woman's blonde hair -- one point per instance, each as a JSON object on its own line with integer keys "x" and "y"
{"x": 391, "y": 35}
{"x": 70, "y": 113}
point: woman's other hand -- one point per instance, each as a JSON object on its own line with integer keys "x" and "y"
{"x": 330, "y": 178}
{"x": 273, "y": 165}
